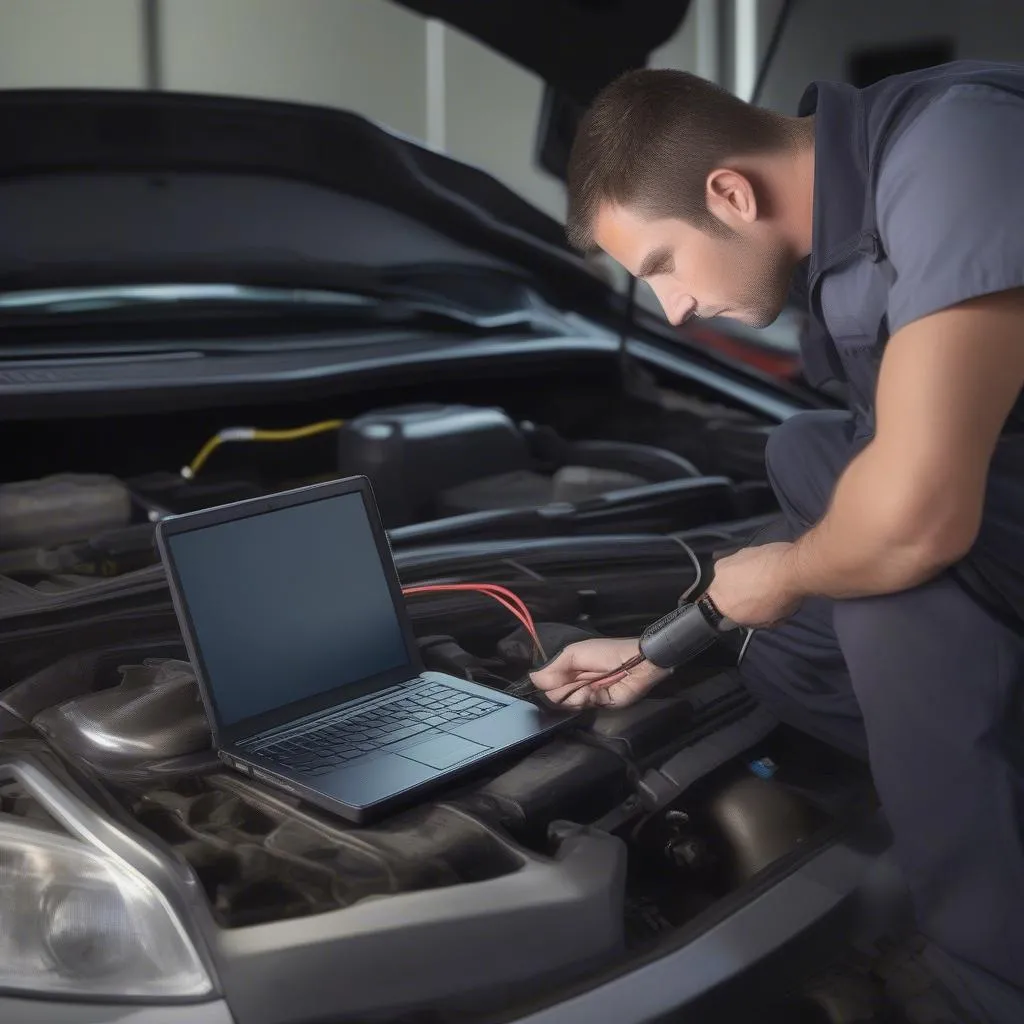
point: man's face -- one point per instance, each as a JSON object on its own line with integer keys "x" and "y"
{"x": 744, "y": 276}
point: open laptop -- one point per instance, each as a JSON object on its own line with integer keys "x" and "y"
{"x": 304, "y": 652}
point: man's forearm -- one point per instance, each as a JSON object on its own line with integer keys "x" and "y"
{"x": 879, "y": 536}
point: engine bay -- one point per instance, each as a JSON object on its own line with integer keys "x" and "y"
{"x": 596, "y": 508}
{"x": 543, "y": 464}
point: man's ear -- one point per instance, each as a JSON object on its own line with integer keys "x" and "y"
{"x": 731, "y": 198}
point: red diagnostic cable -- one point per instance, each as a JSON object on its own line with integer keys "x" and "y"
{"x": 505, "y": 597}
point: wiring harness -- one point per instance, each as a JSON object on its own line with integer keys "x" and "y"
{"x": 255, "y": 434}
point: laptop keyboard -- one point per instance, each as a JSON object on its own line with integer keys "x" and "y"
{"x": 327, "y": 746}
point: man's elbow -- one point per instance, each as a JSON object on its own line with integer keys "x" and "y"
{"x": 927, "y": 538}
{"x": 945, "y": 545}
{"x": 939, "y": 539}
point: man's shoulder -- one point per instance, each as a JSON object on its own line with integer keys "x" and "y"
{"x": 928, "y": 110}
{"x": 964, "y": 124}
{"x": 946, "y": 201}
{"x": 958, "y": 101}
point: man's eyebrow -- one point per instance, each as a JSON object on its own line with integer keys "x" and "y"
{"x": 658, "y": 261}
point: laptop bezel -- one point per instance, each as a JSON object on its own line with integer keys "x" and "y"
{"x": 188, "y": 522}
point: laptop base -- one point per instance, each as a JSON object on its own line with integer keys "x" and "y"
{"x": 398, "y": 773}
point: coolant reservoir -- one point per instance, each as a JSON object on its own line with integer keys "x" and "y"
{"x": 61, "y": 508}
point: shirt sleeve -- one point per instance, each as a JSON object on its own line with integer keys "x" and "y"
{"x": 950, "y": 203}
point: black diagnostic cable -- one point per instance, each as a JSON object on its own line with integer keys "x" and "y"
{"x": 673, "y": 640}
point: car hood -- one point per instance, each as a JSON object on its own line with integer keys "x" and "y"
{"x": 108, "y": 187}
{"x": 576, "y": 46}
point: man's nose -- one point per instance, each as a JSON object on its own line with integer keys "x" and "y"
{"x": 678, "y": 306}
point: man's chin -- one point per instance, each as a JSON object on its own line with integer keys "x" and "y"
{"x": 759, "y": 323}
{"x": 759, "y": 319}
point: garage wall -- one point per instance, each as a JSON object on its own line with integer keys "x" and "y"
{"x": 365, "y": 54}
{"x": 57, "y": 43}
{"x": 820, "y": 35}
{"x": 492, "y": 107}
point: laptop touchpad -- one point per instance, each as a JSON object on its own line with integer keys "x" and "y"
{"x": 444, "y": 751}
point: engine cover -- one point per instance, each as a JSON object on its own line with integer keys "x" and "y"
{"x": 410, "y": 453}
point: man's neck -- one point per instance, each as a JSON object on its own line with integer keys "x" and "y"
{"x": 787, "y": 177}
{"x": 796, "y": 185}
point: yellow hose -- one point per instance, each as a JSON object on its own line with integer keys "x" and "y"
{"x": 254, "y": 434}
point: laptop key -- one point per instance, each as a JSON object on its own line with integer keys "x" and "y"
{"x": 404, "y": 734}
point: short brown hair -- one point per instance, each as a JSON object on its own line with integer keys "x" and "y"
{"x": 649, "y": 141}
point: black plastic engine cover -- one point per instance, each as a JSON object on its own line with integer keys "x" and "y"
{"x": 565, "y": 779}
{"x": 678, "y": 712}
{"x": 410, "y": 453}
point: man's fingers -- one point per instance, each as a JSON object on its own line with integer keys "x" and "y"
{"x": 556, "y": 677}
{"x": 581, "y": 686}
{"x": 560, "y": 671}
{"x": 563, "y": 693}
{"x": 573, "y": 695}
{"x": 580, "y": 698}
{"x": 553, "y": 676}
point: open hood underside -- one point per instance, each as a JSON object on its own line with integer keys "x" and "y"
{"x": 110, "y": 187}
{"x": 138, "y": 187}
{"x": 576, "y": 46}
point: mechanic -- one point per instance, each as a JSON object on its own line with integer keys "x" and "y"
{"x": 890, "y": 608}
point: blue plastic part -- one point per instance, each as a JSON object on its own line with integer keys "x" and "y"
{"x": 763, "y": 767}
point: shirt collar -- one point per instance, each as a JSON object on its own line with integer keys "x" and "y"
{"x": 842, "y": 217}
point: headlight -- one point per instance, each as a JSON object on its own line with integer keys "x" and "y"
{"x": 76, "y": 920}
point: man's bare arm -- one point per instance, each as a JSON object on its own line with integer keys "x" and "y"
{"x": 911, "y": 503}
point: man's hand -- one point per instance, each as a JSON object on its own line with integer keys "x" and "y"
{"x": 567, "y": 678}
{"x": 754, "y": 586}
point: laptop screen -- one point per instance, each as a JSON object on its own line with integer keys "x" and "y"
{"x": 287, "y": 604}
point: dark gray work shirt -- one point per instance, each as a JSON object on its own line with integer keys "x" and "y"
{"x": 950, "y": 215}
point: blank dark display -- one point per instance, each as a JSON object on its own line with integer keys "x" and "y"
{"x": 287, "y": 605}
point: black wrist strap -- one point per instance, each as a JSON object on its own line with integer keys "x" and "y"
{"x": 710, "y": 611}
